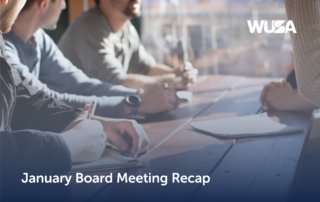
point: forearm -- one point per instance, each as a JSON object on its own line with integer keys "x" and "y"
{"x": 299, "y": 103}
{"x": 306, "y": 46}
{"x": 40, "y": 112}
{"x": 138, "y": 81}
{"x": 160, "y": 69}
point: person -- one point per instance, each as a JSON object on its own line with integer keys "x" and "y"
{"x": 37, "y": 58}
{"x": 104, "y": 44}
{"x": 285, "y": 95}
{"x": 42, "y": 135}
{"x": 306, "y": 46}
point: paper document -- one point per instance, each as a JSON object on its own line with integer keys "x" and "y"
{"x": 110, "y": 159}
{"x": 246, "y": 126}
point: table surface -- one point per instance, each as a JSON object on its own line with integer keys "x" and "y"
{"x": 252, "y": 169}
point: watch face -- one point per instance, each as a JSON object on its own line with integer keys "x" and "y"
{"x": 133, "y": 100}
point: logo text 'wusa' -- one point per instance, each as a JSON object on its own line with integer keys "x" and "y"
{"x": 277, "y": 27}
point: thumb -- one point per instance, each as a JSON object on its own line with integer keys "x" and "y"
{"x": 118, "y": 141}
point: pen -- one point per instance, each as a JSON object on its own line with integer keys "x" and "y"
{"x": 92, "y": 109}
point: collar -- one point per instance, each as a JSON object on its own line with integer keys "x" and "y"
{"x": 32, "y": 41}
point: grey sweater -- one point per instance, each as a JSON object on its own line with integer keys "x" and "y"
{"x": 306, "y": 46}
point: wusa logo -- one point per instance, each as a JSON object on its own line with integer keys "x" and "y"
{"x": 277, "y": 27}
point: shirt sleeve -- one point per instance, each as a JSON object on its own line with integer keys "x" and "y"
{"x": 141, "y": 61}
{"x": 94, "y": 50}
{"x": 36, "y": 110}
{"x": 306, "y": 46}
{"x": 33, "y": 152}
{"x": 62, "y": 76}
{"x": 112, "y": 107}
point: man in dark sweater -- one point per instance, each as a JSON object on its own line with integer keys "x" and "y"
{"x": 41, "y": 135}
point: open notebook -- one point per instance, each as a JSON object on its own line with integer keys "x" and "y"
{"x": 243, "y": 127}
{"x": 110, "y": 159}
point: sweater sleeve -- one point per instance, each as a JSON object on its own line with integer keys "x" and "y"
{"x": 112, "y": 107}
{"x": 62, "y": 76}
{"x": 306, "y": 46}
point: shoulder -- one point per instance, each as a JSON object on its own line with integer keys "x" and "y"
{"x": 132, "y": 30}
{"x": 89, "y": 20}
{"x": 42, "y": 37}
{"x": 10, "y": 43}
{"x": 11, "y": 40}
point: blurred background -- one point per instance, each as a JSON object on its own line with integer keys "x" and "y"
{"x": 212, "y": 34}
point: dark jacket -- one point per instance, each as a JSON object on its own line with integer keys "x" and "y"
{"x": 25, "y": 114}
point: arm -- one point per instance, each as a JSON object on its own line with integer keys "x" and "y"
{"x": 62, "y": 76}
{"x": 38, "y": 147}
{"x": 157, "y": 74}
{"x": 306, "y": 46}
{"x": 36, "y": 110}
{"x": 106, "y": 106}
{"x": 281, "y": 96}
{"x": 301, "y": 103}
{"x": 32, "y": 151}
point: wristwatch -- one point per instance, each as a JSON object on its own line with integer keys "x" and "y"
{"x": 134, "y": 102}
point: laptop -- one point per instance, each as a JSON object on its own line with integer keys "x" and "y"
{"x": 306, "y": 183}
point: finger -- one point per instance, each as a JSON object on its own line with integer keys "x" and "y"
{"x": 84, "y": 113}
{"x": 117, "y": 140}
{"x": 171, "y": 87}
{"x": 172, "y": 99}
{"x": 192, "y": 72}
{"x": 136, "y": 140}
{"x": 275, "y": 84}
{"x": 81, "y": 116}
{"x": 145, "y": 142}
{"x": 168, "y": 106}
{"x": 104, "y": 136}
{"x": 169, "y": 93}
{"x": 263, "y": 94}
{"x": 177, "y": 103}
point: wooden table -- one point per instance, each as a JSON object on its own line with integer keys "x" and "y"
{"x": 254, "y": 169}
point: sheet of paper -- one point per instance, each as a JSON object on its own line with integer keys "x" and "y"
{"x": 254, "y": 124}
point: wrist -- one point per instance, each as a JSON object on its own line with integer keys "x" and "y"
{"x": 165, "y": 78}
{"x": 132, "y": 104}
{"x": 127, "y": 108}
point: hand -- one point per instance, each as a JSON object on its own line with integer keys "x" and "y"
{"x": 278, "y": 96}
{"x": 290, "y": 67}
{"x": 157, "y": 99}
{"x": 127, "y": 135}
{"x": 85, "y": 138}
{"x": 184, "y": 75}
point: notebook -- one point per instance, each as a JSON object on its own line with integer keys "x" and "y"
{"x": 110, "y": 159}
{"x": 246, "y": 126}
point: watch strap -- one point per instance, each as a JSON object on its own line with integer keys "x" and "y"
{"x": 134, "y": 111}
